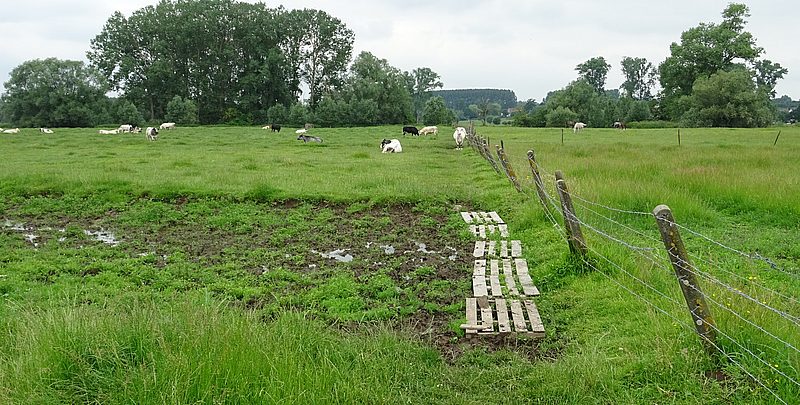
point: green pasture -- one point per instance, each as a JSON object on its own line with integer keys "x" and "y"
{"x": 217, "y": 289}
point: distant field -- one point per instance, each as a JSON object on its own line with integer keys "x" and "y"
{"x": 216, "y": 287}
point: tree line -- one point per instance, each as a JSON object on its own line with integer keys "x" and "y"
{"x": 715, "y": 77}
{"x": 224, "y": 61}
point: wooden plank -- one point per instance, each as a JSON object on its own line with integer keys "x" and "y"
{"x": 516, "y": 248}
{"x": 491, "y": 229}
{"x": 486, "y": 315}
{"x": 480, "y": 248}
{"x": 482, "y": 231}
{"x": 494, "y": 278}
{"x": 503, "y": 230}
{"x": 503, "y": 248}
{"x": 474, "y": 229}
{"x": 490, "y": 251}
{"x": 533, "y": 316}
{"x": 472, "y": 316}
{"x": 503, "y": 326}
{"x": 509, "y": 278}
{"x": 519, "y": 318}
{"x": 525, "y": 279}
{"x": 475, "y": 217}
{"x": 496, "y": 217}
{"x": 467, "y": 217}
{"x": 479, "y": 279}
{"x": 486, "y": 218}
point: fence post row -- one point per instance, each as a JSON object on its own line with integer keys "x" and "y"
{"x": 537, "y": 179}
{"x": 488, "y": 156}
{"x": 695, "y": 300}
{"x": 577, "y": 245}
{"x": 512, "y": 175}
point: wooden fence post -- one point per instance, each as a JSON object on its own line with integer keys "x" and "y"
{"x": 512, "y": 175}
{"x": 537, "y": 179}
{"x": 577, "y": 245}
{"x": 488, "y": 156}
{"x": 776, "y": 139}
{"x": 695, "y": 300}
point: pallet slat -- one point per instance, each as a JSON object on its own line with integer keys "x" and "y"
{"x": 467, "y": 217}
{"x": 486, "y": 315}
{"x": 480, "y": 248}
{"x": 479, "y": 279}
{"x": 524, "y": 278}
{"x": 508, "y": 272}
{"x": 495, "y": 217}
{"x": 503, "y": 248}
{"x": 519, "y": 318}
{"x": 516, "y": 248}
{"x": 533, "y": 316}
{"x": 503, "y": 230}
{"x": 503, "y": 326}
{"x": 494, "y": 279}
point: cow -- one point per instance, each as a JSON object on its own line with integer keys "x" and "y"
{"x": 429, "y": 130}
{"x": 411, "y": 130}
{"x": 578, "y": 127}
{"x": 308, "y": 138}
{"x": 107, "y": 131}
{"x": 275, "y": 128}
{"x": 619, "y": 125}
{"x": 392, "y": 146}
{"x": 11, "y": 131}
{"x": 125, "y": 128}
{"x": 167, "y": 125}
{"x": 152, "y": 133}
{"x": 459, "y": 136}
{"x": 301, "y": 131}
{"x": 46, "y": 130}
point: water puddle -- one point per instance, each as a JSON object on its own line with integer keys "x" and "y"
{"x": 103, "y": 236}
{"x": 387, "y": 249}
{"x": 423, "y": 248}
{"x": 337, "y": 255}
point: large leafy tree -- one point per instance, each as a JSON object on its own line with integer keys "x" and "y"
{"x": 594, "y": 72}
{"x": 54, "y": 93}
{"x": 420, "y": 82}
{"x": 318, "y": 48}
{"x": 221, "y": 54}
{"x": 436, "y": 112}
{"x": 640, "y": 76}
{"x": 372, "y": 78}
{"x": 728, "y": 99}
{"x": 484, "y": 109}
{"x": 711, "y": 48}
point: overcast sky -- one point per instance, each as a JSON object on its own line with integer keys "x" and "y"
{"x": 528, "y": 46}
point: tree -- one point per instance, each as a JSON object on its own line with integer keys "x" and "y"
{"x": 54, "y": 93}
{"x": 181, "y": 111}
{"x": 277, "y": 114}
{"x": 640, "y": 76}
{"x": 560, "y": 116}
{"x": 436, "y": 112}
{"x": 728, "y": 99}
{"x": 419, "y": 83}
{"x": 298, "y": 115}
{"x": 318, "y": 47}
{"x": 221, "y": 54}
{"x": 371, "y": 78}
{"x": 127, "y": 113}
{"x": 594, "y": 71}
{"x": 485, "y": 109}
{"x": 767, "y": 75}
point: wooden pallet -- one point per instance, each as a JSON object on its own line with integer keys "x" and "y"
{"x": 489, "y": 248}
{"x": 482, "y": 217}
{"x": 515, "y": 280}
{"x": 482, "y": 231}
{"x": 487, "y": 317}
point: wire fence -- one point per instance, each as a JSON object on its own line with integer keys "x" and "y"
{"x": 754, "y": 298}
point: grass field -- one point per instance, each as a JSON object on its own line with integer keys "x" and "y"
{"x": 218, "y": 282}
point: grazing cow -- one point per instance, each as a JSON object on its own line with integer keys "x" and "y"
{"x": 308, "y": 138}
{"x": 167, "y": 125}
{"x": 125, "y": 128}
{"x": 429, "y": 130}
{"x": 301, "y": 131}
{"x": 392, "y": 146}
{"x": 459, "y": 136}
{"x": 578, "y": 127}
{"x": 410, "y": 130}
{"x": 46, "y": 130}
{"x": 11, "y": 131}
{"x": 107, "y": 131}
{"x": 619, "y": 125}
{"x": 275, "y": 128}
{"x": 152, "y": 133}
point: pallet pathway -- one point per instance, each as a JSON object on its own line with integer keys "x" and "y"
{"x": 502, "y": 289}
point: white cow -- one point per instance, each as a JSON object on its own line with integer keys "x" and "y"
{"x": 301, "y": 131}
{"x": 167, "y": 125}
{"x": 392, "y": 146}
{"x": 152, "y": 133}
{"x": 46, "y": 130}
{"x": 459, "y": 136}
{"x": 578, "y": 127}
{"x": 429, "y": 130}
{"x": 107, "y": 131}
{"x": 11, "y": 131}
{"x": 125, "y": 128}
